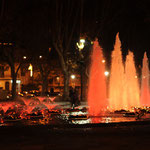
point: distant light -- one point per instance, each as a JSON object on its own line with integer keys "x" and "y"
{"x": 73, "y": 76}
{"x": 31, "y": 70}
{"x": 103, "y": 61}
{"x": 18, "y": 81}
{"x": 24, "y": 57}
{"x": 106, "y": 73}
{"x": 40, "y": 56}
{"x": 5, "y": 43}
{"x": 10, "y": 44}
{"x": 57, "y": 78}
{"x": 135, "y": 76}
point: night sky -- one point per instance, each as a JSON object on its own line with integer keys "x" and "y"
{"x": 101, "y": 18}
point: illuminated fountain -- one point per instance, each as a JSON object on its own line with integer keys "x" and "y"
{"x": 123, "y": 85}
{"x": 123, "y": 89}
{"x": 27, "y": 108}
{"x": 145, "y": 96}
{"x": 6, "y": 105}
{"x": 117, "y": 91}
{"x": 97, "y": 100}
{"x": 131, "y": 84}
{"x": 123, "y": 93}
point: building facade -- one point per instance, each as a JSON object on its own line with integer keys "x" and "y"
{"x": 55, "y": 79}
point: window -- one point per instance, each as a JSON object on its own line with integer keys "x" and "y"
{"x": 7, "y": 86}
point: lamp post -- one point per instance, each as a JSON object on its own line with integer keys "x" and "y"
{"x": 80, "y": 46}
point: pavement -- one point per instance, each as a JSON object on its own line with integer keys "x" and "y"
{"x": 117, "y": 137}
{"x": 110, "y": 138}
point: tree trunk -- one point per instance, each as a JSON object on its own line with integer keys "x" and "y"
{"x": 84, "y": 87}
{"x": 14, "y": 78}
{"x": 65, "y": 72}
{"x": 66, "y": 87}
{"x": 81, "y": 81}
{"x": 44, "y": 86}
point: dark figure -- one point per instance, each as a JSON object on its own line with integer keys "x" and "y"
{"x": 76, "y": 96}
{"x": 71, "y": 95}
{"x": 74, "y": 99}
{"x": 52, "y": 90}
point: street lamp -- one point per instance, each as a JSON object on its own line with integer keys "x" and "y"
{"x": 81, "y": 44}
{"x": 103, "y": 61}
{"x": 73, "y": 76}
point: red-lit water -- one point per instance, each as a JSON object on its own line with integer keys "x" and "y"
{"x": 123, "y": 85}
{"x": 6, "y": 105}
{"x": 145, "y": 96}
{"x": 124, "y": 90}
{"x": 117, "y": 93}
{"x": 131, "y": 84}
{"x": 52, "y": 98}
{"x": 97, "y": 100}
{"x": 24, "y": 107}
{"x": 41, "y": 98}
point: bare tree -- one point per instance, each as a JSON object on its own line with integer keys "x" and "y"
{"x": 10, "y": 52}
{"x": 43, "y": 64}
{"x": 64, "y": 16}
{"x": 14, "y": 60}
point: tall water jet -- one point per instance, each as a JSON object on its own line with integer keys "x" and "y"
{"x": 97, "y": 100}
{"x": 145, "y": 97}
{"x": 117, "y": 93}
{"x": 132, "y": 85}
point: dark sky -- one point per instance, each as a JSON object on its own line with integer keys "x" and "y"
{"x": 102, "y": 18}
{"x": 131, "y": 19}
